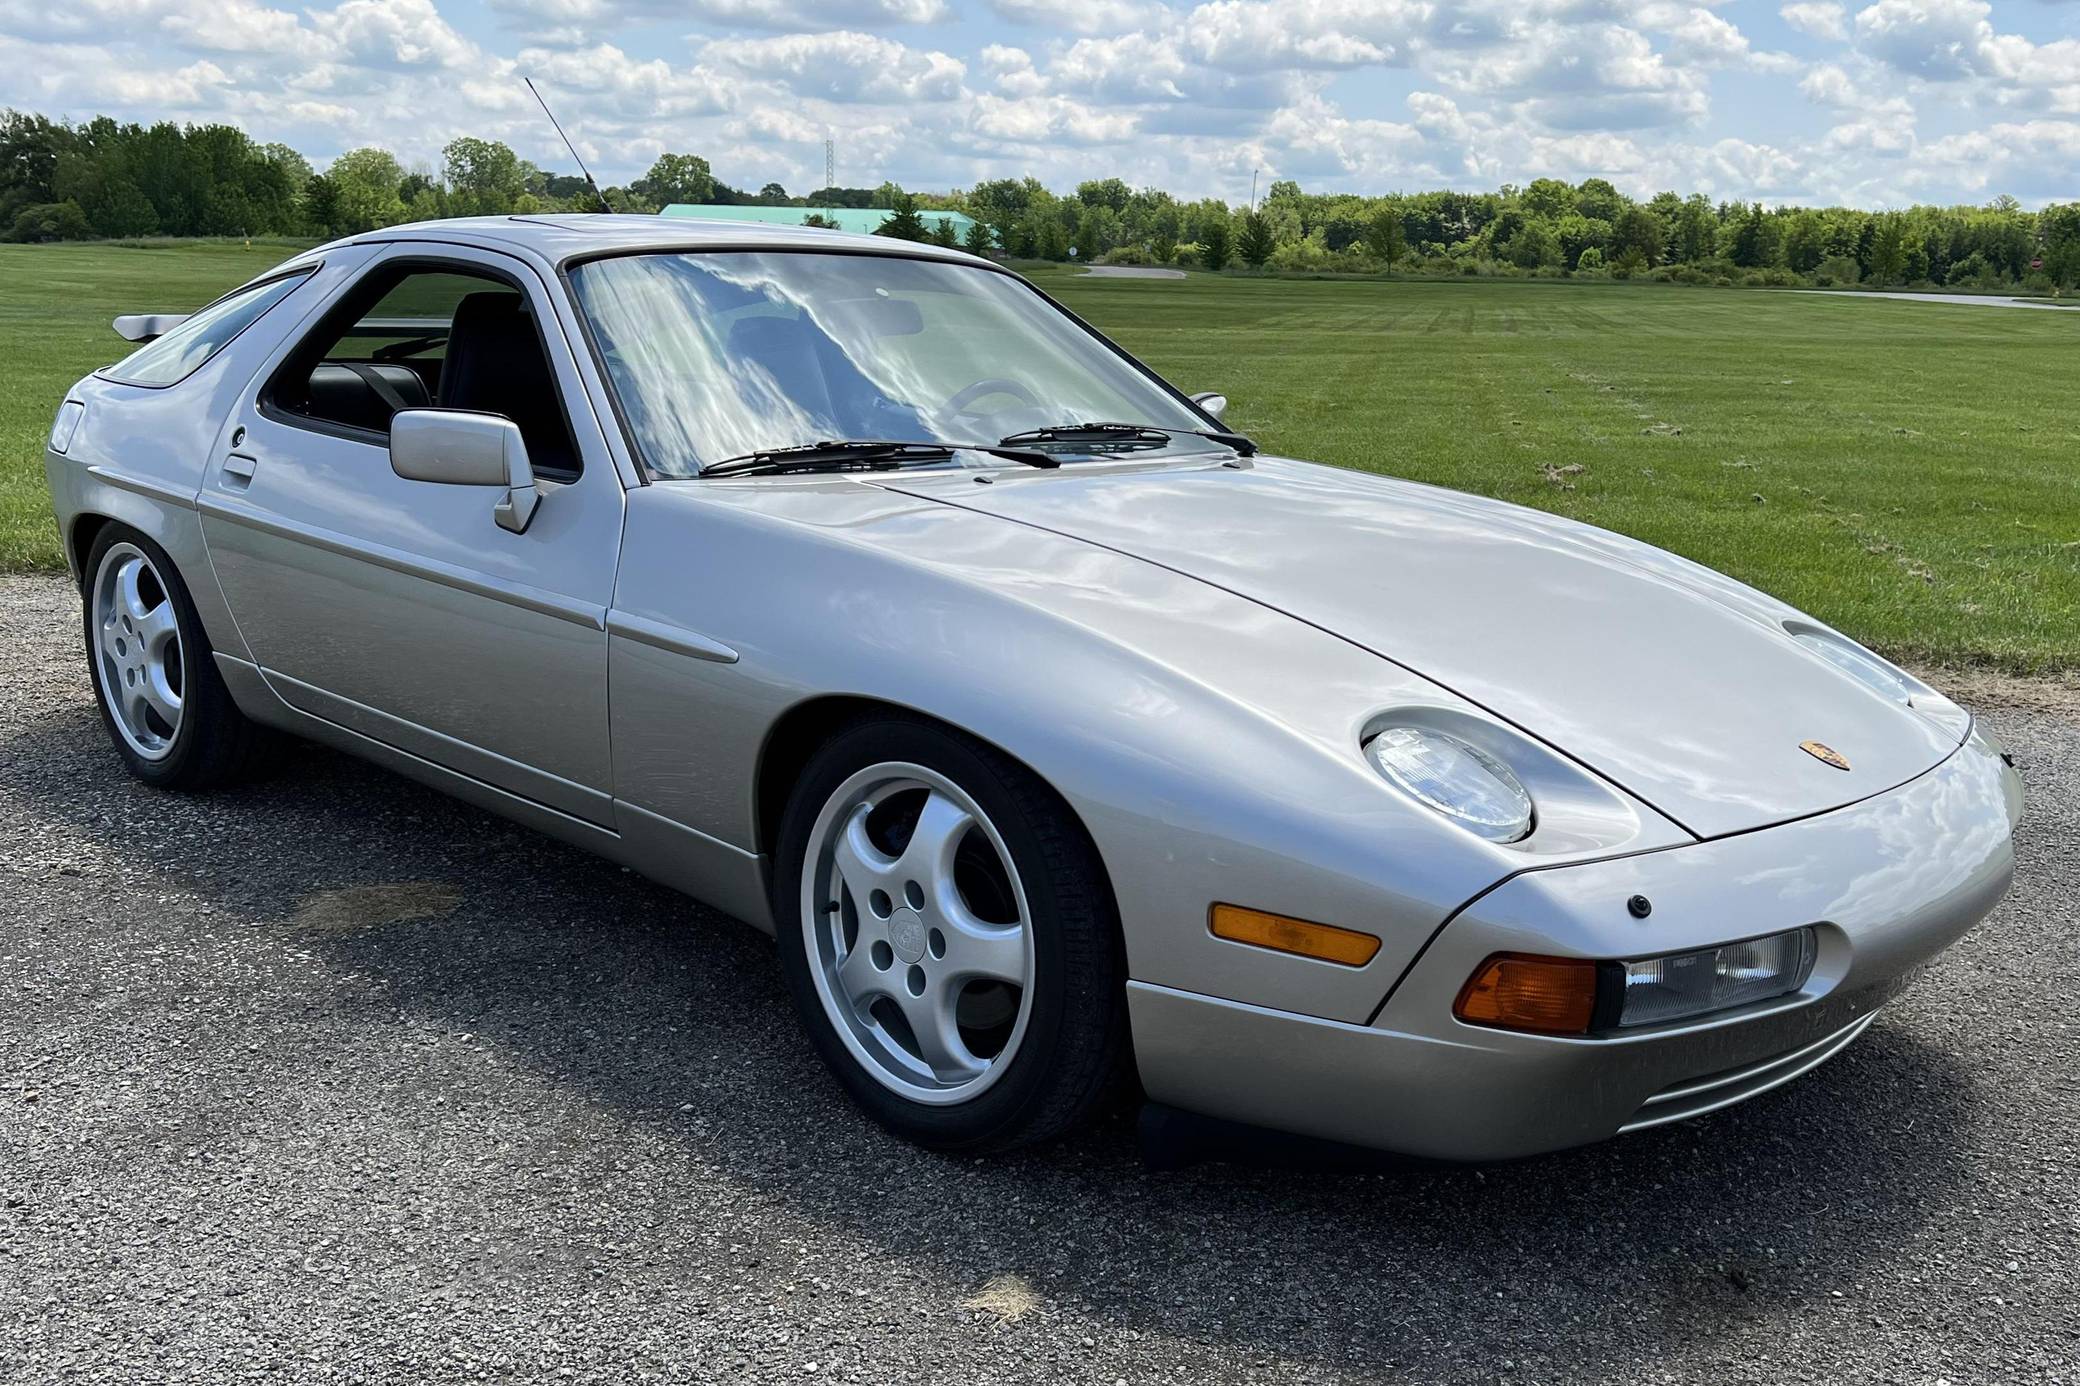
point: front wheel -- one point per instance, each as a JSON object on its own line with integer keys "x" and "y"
{"x": 948, "y": 938}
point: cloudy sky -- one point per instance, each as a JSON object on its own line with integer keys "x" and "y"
{"x": 1876, "y": 104}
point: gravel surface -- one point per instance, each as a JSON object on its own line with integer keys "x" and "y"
{"x": 331, "y": 1079}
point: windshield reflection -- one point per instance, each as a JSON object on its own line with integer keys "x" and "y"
{"x": 721, "y": 355}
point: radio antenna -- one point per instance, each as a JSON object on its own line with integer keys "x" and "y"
{"x": 604, "y": 205}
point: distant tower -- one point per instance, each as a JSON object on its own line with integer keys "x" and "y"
{"x": 830, "y": 163}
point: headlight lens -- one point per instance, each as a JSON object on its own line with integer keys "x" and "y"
{"x": 1454, "y": 778}
{"x": 1859, "y": 664}
{"x": 1683, "y": 985}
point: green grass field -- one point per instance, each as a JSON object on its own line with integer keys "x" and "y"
{"x": 1909, "y": 472}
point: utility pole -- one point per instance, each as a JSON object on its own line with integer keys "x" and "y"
{"x": 1253, "y": 188}
{"x": 830, "y": 162}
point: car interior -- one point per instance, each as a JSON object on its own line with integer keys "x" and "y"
{"x": 431, "y": 339}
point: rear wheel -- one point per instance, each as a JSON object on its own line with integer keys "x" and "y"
{"x": 948, "y": 938}
{"x": 165, "y": 705}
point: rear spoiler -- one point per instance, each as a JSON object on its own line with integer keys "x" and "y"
{"x": 143, "y": 327}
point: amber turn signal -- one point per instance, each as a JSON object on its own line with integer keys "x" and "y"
{"x": 1514, "y": 991}
{"x": 1283, "y": 935}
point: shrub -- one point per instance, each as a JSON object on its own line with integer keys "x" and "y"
{"x": 52, "y": 221}
{"x": 1838, "y": 269}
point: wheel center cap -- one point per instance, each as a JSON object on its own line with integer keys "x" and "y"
{"x": 906, "y": 935}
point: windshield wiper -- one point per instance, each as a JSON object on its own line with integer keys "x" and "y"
{"x": 1125, "y": 434}
{"x": 861, "y": 454}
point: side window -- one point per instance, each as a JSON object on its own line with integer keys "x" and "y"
{"x": 429, "y": 338}
{"x": 183, "y": 351}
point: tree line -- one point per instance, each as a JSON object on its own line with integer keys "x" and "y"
{"x": 107, "y": 179}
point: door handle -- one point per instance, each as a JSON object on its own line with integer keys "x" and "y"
{"x": 238, "y": 470}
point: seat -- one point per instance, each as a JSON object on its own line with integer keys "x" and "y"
{"x": 495, "y": 365}
{"x": 348, "y": 394}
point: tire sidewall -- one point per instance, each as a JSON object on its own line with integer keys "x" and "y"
{"x": 992, "y": 1116}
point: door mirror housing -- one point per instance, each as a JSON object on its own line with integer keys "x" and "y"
{"x": 1213, "y": 403}
{"x": 453, "y": 447}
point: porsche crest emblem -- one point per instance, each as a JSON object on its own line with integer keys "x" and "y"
{"x": 1821, "y": 751}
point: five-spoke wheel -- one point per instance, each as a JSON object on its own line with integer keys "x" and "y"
{"x": 168, "y": 712}
{"x": 948, "y": 936}
{"x": 139, "y": 660}
{"x": 918, "y": 929}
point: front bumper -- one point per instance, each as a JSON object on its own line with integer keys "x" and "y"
{"x": 1888, "y": 883}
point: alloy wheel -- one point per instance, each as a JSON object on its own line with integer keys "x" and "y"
{"x": 919, "y": 934}
{"x": 138, "y": 659}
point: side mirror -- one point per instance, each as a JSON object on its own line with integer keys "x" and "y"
{"x": 457, "y": 448}
{"x": 1214, "y": 404}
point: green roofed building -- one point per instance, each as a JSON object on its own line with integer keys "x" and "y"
{"x": 865, "y": 220}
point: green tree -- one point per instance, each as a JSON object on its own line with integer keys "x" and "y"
{"x": 1385, "y": 238}
{"x": 320, "y": 205}
{"x": 1637, "y": 238}
{"x": 1097, "y": 231}
{"x": 942, "y": 233}
{"x": 1534, "y": 246}
{"x": 1548, "y": 199}
{"x": 1213, "y": 243}
{"x": 978, "y": 240}
{"x": 1697, "y": 230}
{"x": 1888, "y": 249}
{"x": 365, "y": 184}
{"x": 1257, "y": 241}
{"x": 1595, "y": 197}
{"x": 484, "y": 177}
{"x": 1104, "y": 192}
{"x": 903, "y": 224}
{"x": 677, "y": 178}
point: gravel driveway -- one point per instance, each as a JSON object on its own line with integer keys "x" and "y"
{"x": 330, "y": 1079}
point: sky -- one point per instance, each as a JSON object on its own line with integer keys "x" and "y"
{"x": 1872, "y": 105}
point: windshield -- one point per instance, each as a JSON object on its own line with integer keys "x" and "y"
{"x": 722, "y": 355}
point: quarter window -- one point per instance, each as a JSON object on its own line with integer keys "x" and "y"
{"x": 178, "y": 354}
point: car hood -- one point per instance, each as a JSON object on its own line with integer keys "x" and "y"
{"x": 1677, "y": 684}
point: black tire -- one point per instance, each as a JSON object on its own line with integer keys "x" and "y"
{"x": 1070, "y": 1055}
{"x": 215, "y": 743}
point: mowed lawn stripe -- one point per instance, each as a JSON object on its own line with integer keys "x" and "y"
{"x": 1907, "y": 471}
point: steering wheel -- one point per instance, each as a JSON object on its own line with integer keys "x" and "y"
{"x": 983, "y": 389}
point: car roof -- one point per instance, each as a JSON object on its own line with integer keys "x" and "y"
{"x": 560, "y": 238}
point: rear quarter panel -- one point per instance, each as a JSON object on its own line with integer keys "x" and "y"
{"x": 138, "y": 453}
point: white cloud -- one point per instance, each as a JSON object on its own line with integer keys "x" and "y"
{"x": 586, "y": 20}
{"x": 843, "y": 66}
{"x": 1936, "y": 98}
{"x": 1928, "y": 38}
{"x": 1822, "y": 19}
{"x": 1090, "y": 17}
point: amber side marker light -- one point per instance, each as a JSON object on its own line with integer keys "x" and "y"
{"x": 1283, "y": 935}
{"x": 1515, "y": 991}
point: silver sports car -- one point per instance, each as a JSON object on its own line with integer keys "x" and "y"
{"x": 1059, "y": 735}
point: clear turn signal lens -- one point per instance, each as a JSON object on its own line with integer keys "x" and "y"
{"x": 1685, "y": 985}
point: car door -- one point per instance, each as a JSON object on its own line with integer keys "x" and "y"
{"x": 400, "y": 609}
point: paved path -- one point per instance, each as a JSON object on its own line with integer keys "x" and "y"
{"x": 1969, "y": 300}
{"x": 331, "y": 1079}
{"x": 1132, "y": 272}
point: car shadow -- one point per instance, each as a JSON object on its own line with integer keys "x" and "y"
{"x": 673, "y": 1016}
